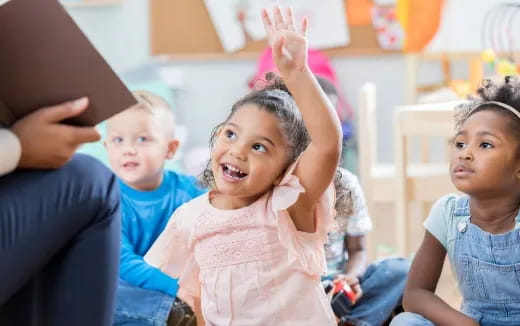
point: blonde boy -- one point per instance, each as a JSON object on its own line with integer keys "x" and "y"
{"x": 139, "y": 141}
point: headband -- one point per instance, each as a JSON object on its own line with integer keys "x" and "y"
{"x": 500, "y": 104}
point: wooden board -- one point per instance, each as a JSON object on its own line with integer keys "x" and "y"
{"x": 183, "y": 29}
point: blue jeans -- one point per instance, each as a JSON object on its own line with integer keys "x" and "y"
{"x": 141, "y": 307}
{"x": 383, "y": 284}
{"x": 59, "y": 245}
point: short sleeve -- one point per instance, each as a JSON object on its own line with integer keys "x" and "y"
{"x": 439, "y": 219}
{"x": 173, "y": 252}
{"x": 305, "y": 247}
{"x": 359, "y": 223}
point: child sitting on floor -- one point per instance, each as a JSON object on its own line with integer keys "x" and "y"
{"x": 250, "y": 252}
{"x": 379, "y": 287}
{"x": 480, "y": 228}
{"x": 139, "y": 141}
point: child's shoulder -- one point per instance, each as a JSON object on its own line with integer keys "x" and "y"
{"x": 445, "y": 216}
{"x": 196, "y": 203}
{"x": 178, "y": 176}
{"x": 184, "y": 182}
{"x": 451, "y": 203}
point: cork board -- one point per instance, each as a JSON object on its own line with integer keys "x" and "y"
{"x": 183, "y": 29}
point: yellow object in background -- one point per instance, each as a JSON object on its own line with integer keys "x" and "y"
{"x": 401, "y": 8}
{"x": 502, "y": 67}
{"x": 462, "y": 88}
{"x": 489, "y": 56}
{"x": 506, "y": 68}
{"x": 420, "y": 20}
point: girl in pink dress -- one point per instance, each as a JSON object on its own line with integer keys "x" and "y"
{"x": 250, "y": 252}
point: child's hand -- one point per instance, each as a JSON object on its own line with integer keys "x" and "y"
{"x": 353, "y": 282}
{"x": 289, "y": 46}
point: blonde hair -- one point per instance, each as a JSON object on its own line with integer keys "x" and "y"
{"x": 155, "y": 104}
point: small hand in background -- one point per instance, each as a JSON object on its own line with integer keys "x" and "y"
{"x": 289, "y": 45}
{"x": 353, "y": 282}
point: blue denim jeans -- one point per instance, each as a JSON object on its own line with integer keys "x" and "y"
{"x": 59, "y": 245}
{"x": 383, "y": 285}
{"x": 141, "y": 307}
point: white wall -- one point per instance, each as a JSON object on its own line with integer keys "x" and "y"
{"x": 210, "y": 88}
{"x": 120, "y": 32}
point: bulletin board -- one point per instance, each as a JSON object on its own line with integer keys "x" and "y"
{"x": 183, "y": 29}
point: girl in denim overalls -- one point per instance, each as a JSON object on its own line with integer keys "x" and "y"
{"x": 480, "y": 229}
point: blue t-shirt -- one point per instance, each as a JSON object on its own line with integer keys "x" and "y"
{"x": 144, "y": 215}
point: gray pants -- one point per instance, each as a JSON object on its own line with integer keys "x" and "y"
{"x": 59, "y": 245}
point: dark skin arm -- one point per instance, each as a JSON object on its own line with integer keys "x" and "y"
{"x": 419, "y": 295}
{"x": 356, "y": 264}
{"x": 47, "y": 143}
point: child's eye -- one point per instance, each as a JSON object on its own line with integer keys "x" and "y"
{"x": 259, "y": 148}
{"x": 486, "y": 145}
{"x": 117, "y": 140}
{"x": 230, "y": 134}
{"x": 459, "y": 144}
{"x": 141, "y": 139}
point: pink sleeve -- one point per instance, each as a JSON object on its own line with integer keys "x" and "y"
{"x": 173, "y": 252}
{"x": 307, "y": 248}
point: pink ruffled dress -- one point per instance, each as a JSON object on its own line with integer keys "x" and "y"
{"x": 250, "y": 266}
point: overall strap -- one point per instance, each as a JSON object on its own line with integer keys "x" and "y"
{"x": 462, "y": 206}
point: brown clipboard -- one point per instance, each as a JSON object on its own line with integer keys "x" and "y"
{"x": 45, "y": 59}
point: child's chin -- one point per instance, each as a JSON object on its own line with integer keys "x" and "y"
{"x": 132, "y": 181}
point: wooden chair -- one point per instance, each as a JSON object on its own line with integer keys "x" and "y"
{"x": 377, "y": 179}
{"x": 422, "y": 182}
{"x": 473, "y": 60}
{"x": 381, "y": 182}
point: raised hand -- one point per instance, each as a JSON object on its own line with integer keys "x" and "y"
{"x": 289, "y": 45}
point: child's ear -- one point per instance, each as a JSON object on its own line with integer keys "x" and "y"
{"x": 173, "y": 145}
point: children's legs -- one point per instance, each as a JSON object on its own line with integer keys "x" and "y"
{"x": 383, "y": 285}
{"x": 59, "y": 247}
{"x": 138, "y": 306}
{"x": 410, "y": 319}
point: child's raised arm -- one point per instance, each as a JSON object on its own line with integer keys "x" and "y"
{"x": 319, "y": 161}
{"x": 419, "y": 296}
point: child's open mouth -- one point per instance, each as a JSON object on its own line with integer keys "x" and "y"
{"x": 233, "y": 172}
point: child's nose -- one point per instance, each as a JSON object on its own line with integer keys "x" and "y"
{"x": 238, "y": 152}
{"x": 465, "y": 154}
{"x": 129, "y": 150}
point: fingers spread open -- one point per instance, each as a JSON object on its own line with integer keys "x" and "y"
{"x": 304, "y": 26}
{"x": 278, "y": 18}
{"x": 289, "y": 17}
{"x": 268, "y": 24}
